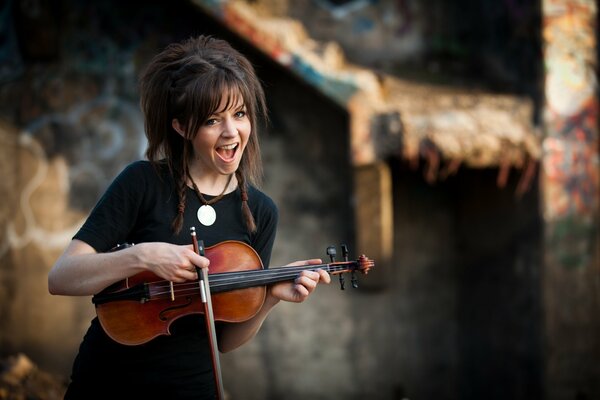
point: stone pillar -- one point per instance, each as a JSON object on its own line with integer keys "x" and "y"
{"x": 373, "y": 198}
{"x": 570, "y": 183}
{"x": 374, "y": 222}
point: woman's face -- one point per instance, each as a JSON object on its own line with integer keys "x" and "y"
{"x": 222, "y": 138}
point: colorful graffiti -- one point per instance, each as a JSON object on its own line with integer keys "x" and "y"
{"x": 571, "y": 163}
{"x": 105, "y": 132}
{"x": 282, "y": 41}
{"x": 68, "y": 126}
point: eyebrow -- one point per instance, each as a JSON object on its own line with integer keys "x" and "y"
{"x": 242, "y": 105}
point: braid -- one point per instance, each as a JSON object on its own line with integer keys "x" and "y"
{"x": 246, "y": 213}
{"x": 177, "y": 223}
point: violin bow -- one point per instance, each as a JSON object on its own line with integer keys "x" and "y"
{"x": 208, "y": 315}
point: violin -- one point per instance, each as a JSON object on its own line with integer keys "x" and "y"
{"x": 140, "y": 308}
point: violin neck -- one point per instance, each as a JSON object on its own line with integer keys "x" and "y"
{"x": 226, "y": 281}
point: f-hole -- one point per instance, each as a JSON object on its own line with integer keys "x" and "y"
{"x": 162, "y": 314}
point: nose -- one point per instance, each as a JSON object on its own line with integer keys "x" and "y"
{"x": 229, "y": 127}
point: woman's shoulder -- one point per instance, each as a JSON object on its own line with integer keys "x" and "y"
{"x": 144, "y": 169}
{"x": 143, "y": 166}
{"x": 262, "y": 205}
{"x": 259, "y": 197}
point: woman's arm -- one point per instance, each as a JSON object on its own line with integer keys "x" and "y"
{"x": 81, "y": 271}
{"x": 233, "y": 335}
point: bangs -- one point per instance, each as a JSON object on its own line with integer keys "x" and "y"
{"x": 220, "y": 92}
{"x": 212, "y": 97}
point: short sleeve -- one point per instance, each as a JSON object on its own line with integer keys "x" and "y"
{"x": 114, "y": 215}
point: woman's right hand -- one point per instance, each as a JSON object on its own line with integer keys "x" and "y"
{"x": 171, "y": 262}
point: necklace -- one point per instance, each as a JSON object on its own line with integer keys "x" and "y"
{"x": 206, "y": 213}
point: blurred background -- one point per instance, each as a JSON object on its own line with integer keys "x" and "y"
{"x": 453, "y": 142}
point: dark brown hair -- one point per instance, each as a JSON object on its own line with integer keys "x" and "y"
{"x": 187, "y": 81}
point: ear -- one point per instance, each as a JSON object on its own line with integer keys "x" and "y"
{"x": 177, "y": 126}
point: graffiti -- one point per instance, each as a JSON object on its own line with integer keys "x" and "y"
{"x": 102, "y": 135}
{"x": 571, "y": 163}
{"x": 571, "y": 173}
{"x": 341, "y": 9}
{"x": 105, "y": 134}
{"x": 571, "y": 159}
{"x": 33, "y": 231}
{"x": 287, "y": 47}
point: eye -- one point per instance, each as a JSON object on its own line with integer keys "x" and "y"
{"x": 210, "y": 122}
{"x": 240, "y": 114}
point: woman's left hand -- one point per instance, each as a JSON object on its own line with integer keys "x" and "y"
{"x": 298, "y": 290}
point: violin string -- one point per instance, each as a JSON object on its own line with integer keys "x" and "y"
{"x": 221, "y": 278}
{"x": 187, "y": 290}
{"x": 183, "y": 291}
{"x": 216, "y": 284}
{"x": 224, "y": 279}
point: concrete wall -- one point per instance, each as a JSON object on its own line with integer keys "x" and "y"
{"x": 459, "y": 315}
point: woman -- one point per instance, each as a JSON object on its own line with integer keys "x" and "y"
{"x": 201, "y": 102}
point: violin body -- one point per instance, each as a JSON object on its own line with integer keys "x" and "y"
{"x": 134, "y": 322}
{"x": 142, "y": 307}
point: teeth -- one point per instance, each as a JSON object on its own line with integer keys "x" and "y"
{"x": 229, "y": 146}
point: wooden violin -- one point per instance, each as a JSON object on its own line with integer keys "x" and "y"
{"x": 138, "y": 309}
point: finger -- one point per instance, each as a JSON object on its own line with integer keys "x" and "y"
{"x": 302, "y": 292}
{"x": 295, "y": 264}
{"x": 318, "y": 273}
{"x": 324, "y": 276}
{"x": 308, "y": 282}
{"x": 185, "y": 274}
{"x": 195, "y": 276}
{"x": 311, "y": 261}
{"x": 315, "y": 275}
{"x": 177, "y": 279}
{"x": 200, "y": 261}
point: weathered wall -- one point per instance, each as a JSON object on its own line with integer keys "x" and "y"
{"x": 571, "y": 194}
{"x": 459, "y": 316}
{"x": 492, "y": 44}
{"x": 70, "y": 122}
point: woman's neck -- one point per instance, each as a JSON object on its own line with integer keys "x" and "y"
{"x": 213, "y": 184}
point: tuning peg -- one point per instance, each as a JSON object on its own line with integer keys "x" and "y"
{"x": 353, "y": 279}
{"x": 345, "y": 252}
{"x": 331, "y": 252}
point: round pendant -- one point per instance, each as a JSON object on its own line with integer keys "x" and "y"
{"x": 207, "y": 215}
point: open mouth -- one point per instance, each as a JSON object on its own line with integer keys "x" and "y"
{"x": 227, "y": 152}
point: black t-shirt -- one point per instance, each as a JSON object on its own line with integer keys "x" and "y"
{"x": 139, "y": 206}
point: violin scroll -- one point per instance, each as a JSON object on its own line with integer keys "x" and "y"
{"x": 363, "y": 265}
